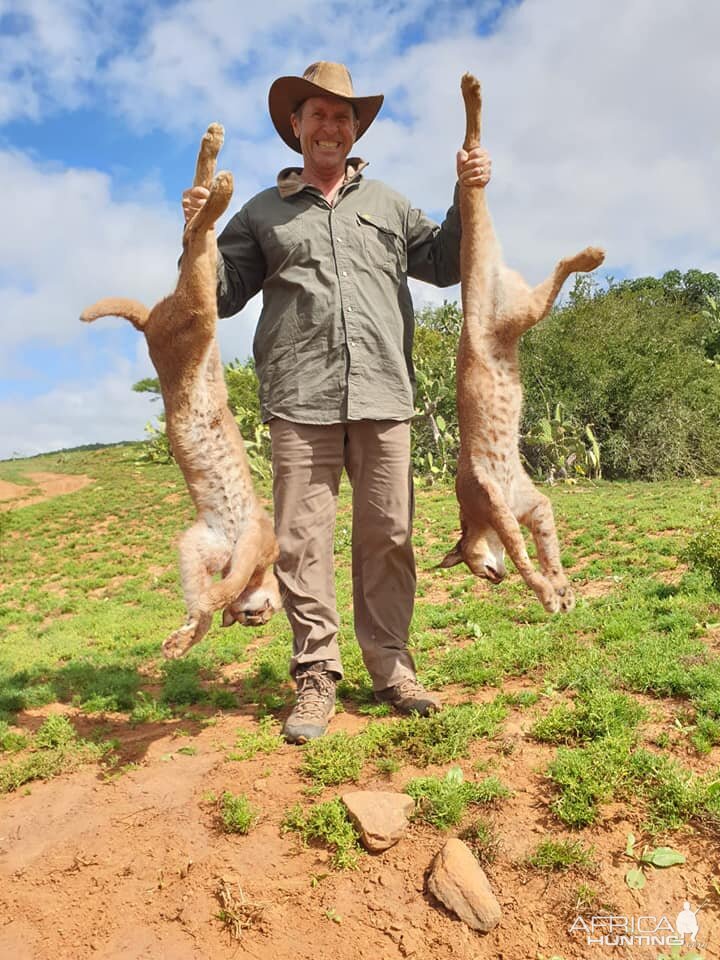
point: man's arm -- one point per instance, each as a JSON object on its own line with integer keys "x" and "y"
{"x": 240, "y": 267}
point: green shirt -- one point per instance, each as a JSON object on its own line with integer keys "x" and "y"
{"x": 335, "y": 336}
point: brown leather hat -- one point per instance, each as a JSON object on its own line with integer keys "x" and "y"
{"x": 321, "y": 79}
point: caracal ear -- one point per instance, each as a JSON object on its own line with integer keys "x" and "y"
{"x": 453, "y": 558}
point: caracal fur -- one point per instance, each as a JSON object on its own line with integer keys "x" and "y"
{"x": 232, "y": 535}
{"x": 494, "y": 492}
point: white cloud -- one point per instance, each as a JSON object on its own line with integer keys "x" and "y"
{"x": 71, "y": 243}
{"x": 74, "y": 413}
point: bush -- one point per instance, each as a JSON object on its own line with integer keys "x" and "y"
{"x": 703, "y": 551}
{"x": 632, "y": 364}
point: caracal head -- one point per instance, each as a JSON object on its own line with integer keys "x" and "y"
{"x": 483, "y": 553}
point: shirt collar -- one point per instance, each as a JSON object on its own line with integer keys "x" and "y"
{"x": 290, "y": 182}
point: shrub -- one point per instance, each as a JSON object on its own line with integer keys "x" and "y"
{"x": 632, "y": 362}
{"x": 703, "y": 551}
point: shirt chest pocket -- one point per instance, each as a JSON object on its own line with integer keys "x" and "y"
{"x": 385, "y": 247}
{"x": 280, "y": 240}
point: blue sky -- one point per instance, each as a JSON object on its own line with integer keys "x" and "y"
{"x": 599, "y": 118}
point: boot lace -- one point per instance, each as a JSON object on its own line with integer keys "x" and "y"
{"x": 315, "y": 688}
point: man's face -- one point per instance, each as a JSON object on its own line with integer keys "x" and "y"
{"x": 326, "y": 128}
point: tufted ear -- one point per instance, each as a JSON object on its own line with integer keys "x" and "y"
{"x": 454, "y": 557}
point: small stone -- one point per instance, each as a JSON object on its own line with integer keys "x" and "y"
{"x": 459, "y": 882}
{"x": 380, "y": 816}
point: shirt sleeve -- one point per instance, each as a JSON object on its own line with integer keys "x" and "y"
{"x": 240, "y": 266}
{"x": 434, "y": 249}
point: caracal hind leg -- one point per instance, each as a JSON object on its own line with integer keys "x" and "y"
{"x": 245, "y": 570}
{"x": 507, "y": 528}
{"x": 210, "y": 146}
{"x": 534, "y": 510}
{"x": 202, "y": 553}
{"x": 543, "y": 296}
{"x": 221, "y": 190}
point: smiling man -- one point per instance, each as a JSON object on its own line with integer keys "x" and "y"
{"x": 332, "y": 252}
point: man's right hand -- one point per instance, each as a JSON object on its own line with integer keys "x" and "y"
{"x": 194, "y": 200}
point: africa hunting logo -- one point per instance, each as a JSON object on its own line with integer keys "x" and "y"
{"x": 611, "y": 930}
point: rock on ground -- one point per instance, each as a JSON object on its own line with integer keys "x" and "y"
{"x": 380, "y": 816}
{"x": 459, "y": 882}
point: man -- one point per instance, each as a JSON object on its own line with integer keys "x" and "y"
{"x": 332, "y": 252}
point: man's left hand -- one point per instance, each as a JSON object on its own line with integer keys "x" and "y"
{"x": 474, "y": 168}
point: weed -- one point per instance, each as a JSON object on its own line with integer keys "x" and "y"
{"x": 388, "y": 765}
{"x": 587, "y": 776}
{"x": 706, "y": 734}
{"x": 445, "y": 736}
{"x": 584, "y": 899}
{"x": 596, "y": 713}
{"x": 560, "y": 855}
{"x": 482, "y": 838}
{"x": 266, "y": 739}
{"x": 149, "y": 710}
{"x": 236, "y": 913}
{"x": 56, "y": 731}
{"x": 54, "y": 749}
{"x": 236, "y": 813}
{"x": 329, "y": 824}
{"x": 10, "y": 740}
{"x": 334, "y": 758}
{"x": 443, "y": 801}
{"x": 660, "y": 857}
{"x": 703, "y": 550}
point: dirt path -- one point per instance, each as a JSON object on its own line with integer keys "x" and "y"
{"x": 14, "y": 495}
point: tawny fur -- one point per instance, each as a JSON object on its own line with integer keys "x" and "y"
{"x": 232, "y": 535}
{"x": 494, "y": 491}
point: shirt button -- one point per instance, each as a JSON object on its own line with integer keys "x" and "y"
{"x": 339, "y": 239}
{"x": 349, "y": 309}
{"x": 344, "y": 273}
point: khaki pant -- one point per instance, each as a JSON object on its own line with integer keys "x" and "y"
{"x": 307, "y": 464}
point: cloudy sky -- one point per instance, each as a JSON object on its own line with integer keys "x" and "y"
{"x": 601, "y": 119}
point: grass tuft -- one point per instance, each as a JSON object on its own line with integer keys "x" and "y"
{"x": 442, "y": 802}
{"x": 236, "y": 813}
{"x": 560, "y": 855}
{"x": 329, "y": 824}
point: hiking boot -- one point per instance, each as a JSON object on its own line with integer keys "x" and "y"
{"x": 314, "y": 704}
{"x": 409, "y": 696}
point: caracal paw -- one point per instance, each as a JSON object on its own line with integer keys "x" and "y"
{"x": 179, "y": 642}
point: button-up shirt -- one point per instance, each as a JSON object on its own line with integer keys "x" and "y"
{"x": 335, "y": 336}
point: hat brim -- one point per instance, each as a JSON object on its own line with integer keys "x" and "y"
{"x": 287, "y": 93}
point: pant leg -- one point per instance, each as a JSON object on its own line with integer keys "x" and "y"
{"x": 377, "y": 459}
{"x": 307, "y": 464}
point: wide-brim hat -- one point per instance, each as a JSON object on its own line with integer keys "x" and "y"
{"x": 321, "y": 79}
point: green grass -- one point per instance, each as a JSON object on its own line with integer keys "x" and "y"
{"x": 622, "y": 695}
{"x": 329, "y": 825}
{"x": 249, "y": 743}
{"x": 55, "y": 748}
{"x": 598, "y": 712}
{"x": 442, "y": 801}
{"x": 236, "y": 814}
{"x": 560, "y": 855}
{"x": 341, "y": 758}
